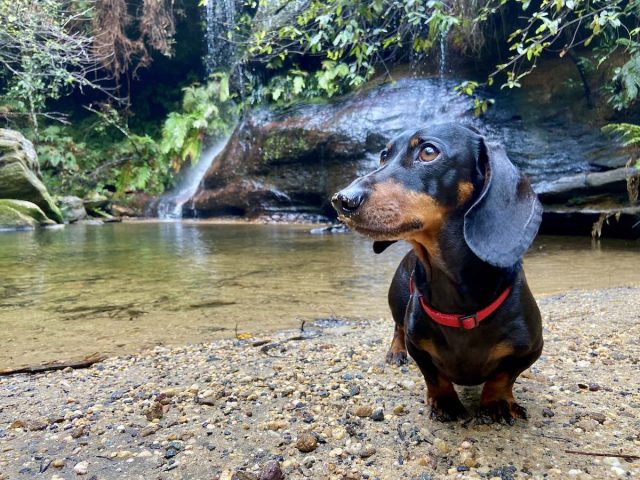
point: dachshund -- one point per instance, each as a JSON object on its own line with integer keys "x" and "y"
{"x": 460, "y": 300}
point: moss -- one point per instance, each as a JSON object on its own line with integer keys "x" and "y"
{"x": 282, "y": 147}
{"x": 19, "y": 213}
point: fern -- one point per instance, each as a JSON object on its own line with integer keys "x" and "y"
{"x": 628, "y": 132}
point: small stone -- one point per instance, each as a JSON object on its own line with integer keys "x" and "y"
{"x": 307, "y": 443}
{"x": 399, "y": 409}
{"x": 77, "y": 432}
{"x": 442, "y": 446}
{"x": 547, "y": 412}
{"x": 17, "y": 424}
{"x": 363, "y": 411}
{"x": 271, "y": 471}
{"x": 122, "y": 454}
{"x": 598, "y": 417}
{"x": 149, "y": 430}
{"x": 276, "y": 425}
{"x": 377, "y": 415}
{"x": 170, "y": 453}
{"x": 367, "y": 451}
{"x": 155, "y": 411}
{"x": 339, "y": 433}
{"x": 58, "y": 463}
{"x": 81, "y": 468}
{"x": 594, "y": 387}
{"x": 209, "y": 400}
{"x": 309, "y": 461}
{"x": 240, "y": 475}
{"x": 36, "y": 425}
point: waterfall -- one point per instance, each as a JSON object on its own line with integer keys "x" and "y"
{"x": 171, "y": 204}
{"x": 442, "y": 67}
{"x": 220, "y": 16}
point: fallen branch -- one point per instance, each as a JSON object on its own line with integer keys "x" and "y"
{"x": 628, "y": 458}
{"x": 55, "y": 365}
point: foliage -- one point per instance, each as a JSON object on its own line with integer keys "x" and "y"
{"x": 561, "y": 26}
{"x": 86, "y": 157}
{"x": 43, "y": 55}
{"x": 206, "y": 110}
{"x": 333, "y": 46}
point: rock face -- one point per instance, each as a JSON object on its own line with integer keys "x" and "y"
{"x": 21, "y": 215}
{"x": 72, "y": 209}
{"x": 20, "y": 174}
{"x": 293, "y": 160}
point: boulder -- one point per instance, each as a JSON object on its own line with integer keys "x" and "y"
{"x": 21, "y": 215}
{"x": 72, "y": 209}
{"x": 20, "y": 173}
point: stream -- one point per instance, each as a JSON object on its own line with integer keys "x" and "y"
{"x": 121, "y": 287}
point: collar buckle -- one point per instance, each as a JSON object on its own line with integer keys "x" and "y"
{"x": 464, "y": 321}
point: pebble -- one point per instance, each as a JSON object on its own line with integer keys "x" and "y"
{"x": 271, "y": 471}
{"x": 155, "y": 411}
{"x": 363, "y": 411}
{"x": 377, "y": 415}
{"x": 81, "y": 468}
{"x": 265, "y": 406}
{"x": 307, "y": 443}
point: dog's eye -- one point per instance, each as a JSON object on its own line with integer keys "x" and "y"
{"x": 383, "y": 156}
{"x": 429, "y": 153}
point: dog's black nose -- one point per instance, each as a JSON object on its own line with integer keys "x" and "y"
{"x": 347, "y": 202}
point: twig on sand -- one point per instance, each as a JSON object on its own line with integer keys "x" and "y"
{"x": 625, "y": 456}
{"x": 55, "y": 365}
{"x": 269, "y": 346}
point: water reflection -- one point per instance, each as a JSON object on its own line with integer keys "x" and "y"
{"x": 120, "y": 287}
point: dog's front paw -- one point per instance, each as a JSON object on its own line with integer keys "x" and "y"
{"x": 446, "y": 409}
{"x": 501, "y": 411}
{"x": 396, "y": 358}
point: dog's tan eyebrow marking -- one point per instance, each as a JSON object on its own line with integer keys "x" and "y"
{"x": 465, "y": 191}
{"x": 415, "y": 141}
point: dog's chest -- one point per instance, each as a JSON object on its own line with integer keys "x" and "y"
{"x": 466, "y": 357}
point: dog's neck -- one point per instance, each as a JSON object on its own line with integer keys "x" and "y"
{"x": 457, "y": 281}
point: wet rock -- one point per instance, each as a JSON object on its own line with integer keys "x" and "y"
{"x": 21, "y": 215}
{"x": 307, "y": 442}
{"x": 20, "y": 177}
{"x": 72, "y": 209}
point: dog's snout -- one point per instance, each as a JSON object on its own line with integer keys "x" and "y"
{"x": 347, "y": 202}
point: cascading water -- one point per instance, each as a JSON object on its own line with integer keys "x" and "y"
{"x": 442, "y": 67}
{"x": 170, "y": 206}
{"x": 221, "y": 16}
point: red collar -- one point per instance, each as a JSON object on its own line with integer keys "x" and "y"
{"x": 467, "y": 322}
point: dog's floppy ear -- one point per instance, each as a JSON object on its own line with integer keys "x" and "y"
{"x": 380, "y": 246}
{"x": 502, "y": 223}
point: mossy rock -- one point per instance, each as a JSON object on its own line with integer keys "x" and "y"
{"x": 20, "y": 174}
{"x": 21, "y": 215}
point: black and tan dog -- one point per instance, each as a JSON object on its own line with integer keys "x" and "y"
{"x": 460, "y": 300}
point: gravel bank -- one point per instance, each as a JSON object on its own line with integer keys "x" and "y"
{"x": 327, "y": 407}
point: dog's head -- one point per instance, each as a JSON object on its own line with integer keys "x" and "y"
{"x": 429, "y": 176}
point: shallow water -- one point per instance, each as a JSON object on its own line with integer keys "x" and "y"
{"x": 119, "y": 287}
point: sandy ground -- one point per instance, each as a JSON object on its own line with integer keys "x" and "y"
{"x": 326, "y": 407}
